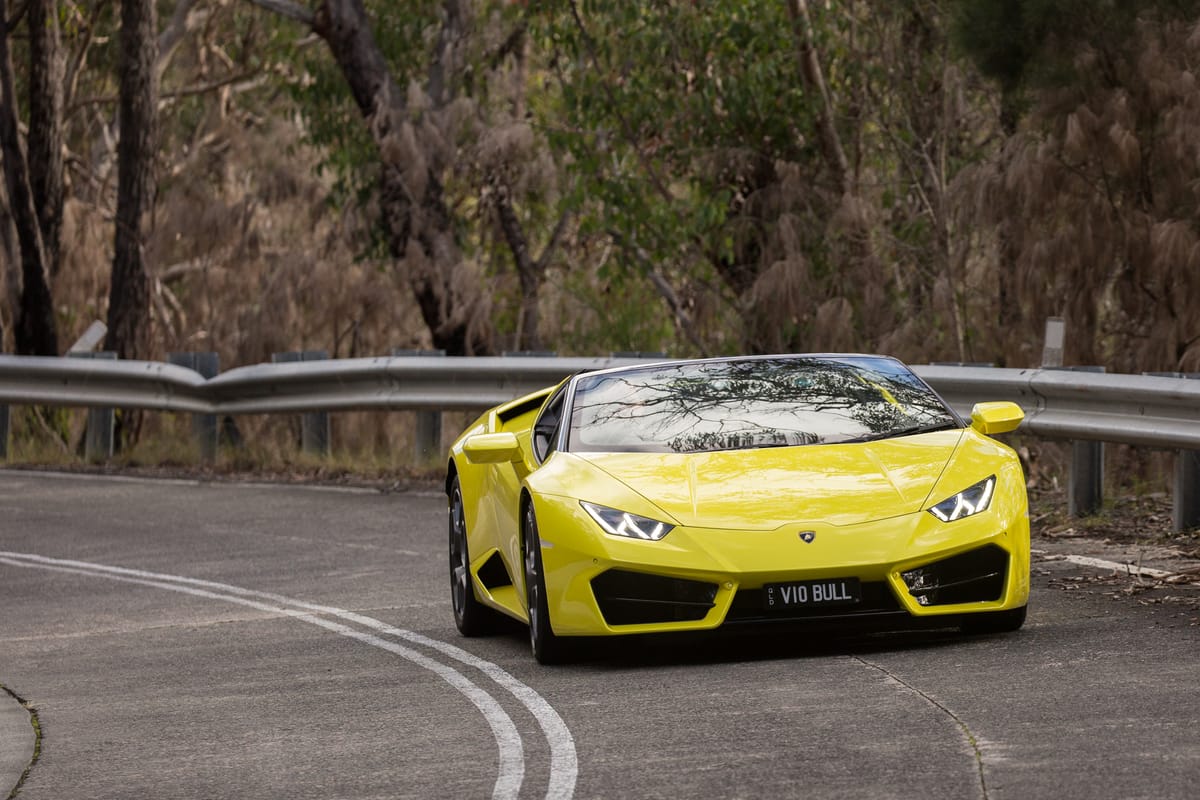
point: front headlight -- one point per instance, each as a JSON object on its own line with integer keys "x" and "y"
{"x": 969, "y": 501}
{"x": 622, "y": 523}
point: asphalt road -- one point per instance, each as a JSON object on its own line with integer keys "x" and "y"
{"x": 213, "y": 641}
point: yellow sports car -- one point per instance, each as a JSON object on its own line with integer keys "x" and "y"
{"x": 695, "y": 495}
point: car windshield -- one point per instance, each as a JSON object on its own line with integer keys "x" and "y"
{"x": 703, "y": 406}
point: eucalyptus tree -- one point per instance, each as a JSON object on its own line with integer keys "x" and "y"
{"x": 432, "y": 130}
{"x": 682, "y": 122}
{"x": 33, "y": 172}
{"x": 931, "y": 117}
{"x": 129, "y": 289}
{"x": 1092, "y": 198}
{"x": 46, "y": 73}
{"x": 779, "y": 170}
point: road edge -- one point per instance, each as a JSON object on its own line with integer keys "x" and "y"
{"x": 18, "y": 741}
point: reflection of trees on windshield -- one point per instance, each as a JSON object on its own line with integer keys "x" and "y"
{"x": 703, "y": 442}
{"x": 753, "y": 403}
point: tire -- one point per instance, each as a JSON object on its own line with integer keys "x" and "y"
{"x": 471, "y": 617}
{"x": 995, "y": 621}
{"x": 547, "y": 647}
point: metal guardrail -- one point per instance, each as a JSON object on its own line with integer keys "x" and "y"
{"x": 1131, "y": 409}
{"x": 1062, "y": 404}
{"x": 28, "y": 380}
{"x": 1085, "y": 407}
{"x": 405, "y": 382}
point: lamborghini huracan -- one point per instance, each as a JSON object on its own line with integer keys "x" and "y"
{"x": 711, "y": 494}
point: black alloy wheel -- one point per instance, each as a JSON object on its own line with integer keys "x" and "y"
{"x": 470, "y": 616}
{"x": 547, "y": 647}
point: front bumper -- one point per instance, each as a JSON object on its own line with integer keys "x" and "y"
{"x": 910, "y": 569}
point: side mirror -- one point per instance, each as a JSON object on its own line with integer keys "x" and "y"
{"x": 992, "y": 418}
{"x": 492, "y": 448}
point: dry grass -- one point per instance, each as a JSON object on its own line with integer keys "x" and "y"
{"x": 368, "y": 448}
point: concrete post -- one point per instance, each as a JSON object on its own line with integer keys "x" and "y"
{"x": 1052, "y": 347}
{"x": 204, "y": 426}
{"x": 427, "y": 433}
{"x": 314, "y": 426}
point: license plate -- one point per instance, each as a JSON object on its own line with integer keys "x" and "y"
{"x": 809, "y": 594}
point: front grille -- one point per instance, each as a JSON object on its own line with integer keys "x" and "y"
{"x": 975, "y": 576}
{"x": 635, "y": 598}
{"x": 748, "y": 606}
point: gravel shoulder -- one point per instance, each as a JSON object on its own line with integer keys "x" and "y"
{"x": 1153, "y": 565}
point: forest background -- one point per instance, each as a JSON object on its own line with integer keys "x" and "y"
{"x": 926, "y": 178}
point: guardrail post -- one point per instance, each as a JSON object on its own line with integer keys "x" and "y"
{"x": 314, "y": 425}
{"x": 1087, "y": 478}
{"x": 1086, "y": 485}
{"x": 1085, "y": 494}
{"x": 1185, "y": 499}
{"x": 98, "y": 442}
{"x": 427, "y": 434}
{"x": 204, "y": 426}
{"x": 3, "y": 433}
{"x": 1185, "y": 514}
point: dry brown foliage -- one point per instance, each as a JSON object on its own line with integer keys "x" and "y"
{"x": 1095, "y": 212}
{"x": 877, "y": 259}
{"x": 250, "y": 258}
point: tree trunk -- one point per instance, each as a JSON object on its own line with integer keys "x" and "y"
{"x": 814, "y": 78}
{"x": 857, "y": 229}
{"x": 421, "y": 220}
{"x": 530, "y": 273}
{"x": 34, "y": 330}
{"x": 10, "y": 269}
{"x": 129, "y": 293}
{"x": 45, "y": 124}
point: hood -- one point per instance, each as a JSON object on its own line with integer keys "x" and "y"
{"x": 762, "y": 489}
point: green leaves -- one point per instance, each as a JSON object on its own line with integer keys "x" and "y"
{"x": 654, "y": 99}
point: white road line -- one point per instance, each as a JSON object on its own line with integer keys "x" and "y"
{"x": 564, "y": 764}
{"x": 224, "y": 484}
{"x": 1143, "y": 572}
{"x": 508, "y": 740}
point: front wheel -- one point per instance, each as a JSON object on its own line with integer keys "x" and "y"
{"x": 471, "y": 617}
{"x": 547, "y": 647}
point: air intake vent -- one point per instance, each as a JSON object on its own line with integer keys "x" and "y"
{"x": 493, "y": 574}
{"x": 972, "y": 577}
{"x": 634, "y": 598}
